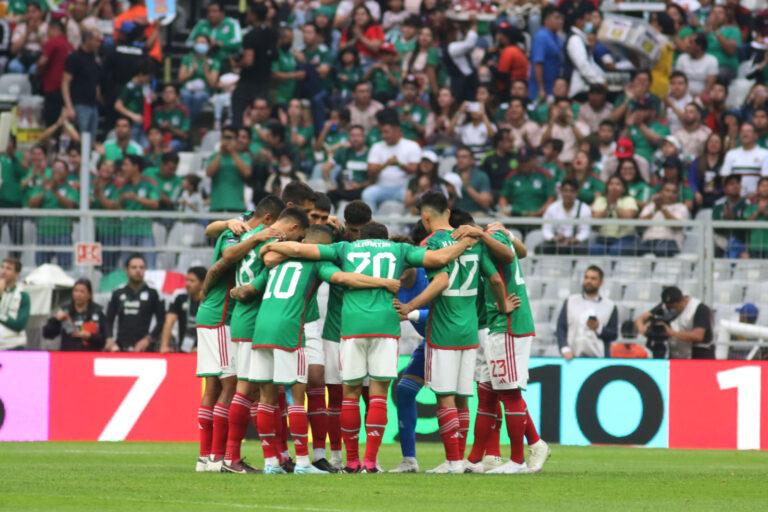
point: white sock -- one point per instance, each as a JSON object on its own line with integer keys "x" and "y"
{"x": 336, "y": 455}
{"x": 286, "y": 454}
{"x": 270, "y": 461}
{"x": 302, "y": 460}
{"x": 318, "y": 453}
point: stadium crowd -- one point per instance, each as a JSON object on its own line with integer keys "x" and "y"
{"x": 376, "y": 100}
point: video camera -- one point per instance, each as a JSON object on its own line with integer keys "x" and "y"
{"x": 656, "y": 334}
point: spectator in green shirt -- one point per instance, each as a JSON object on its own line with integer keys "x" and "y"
{"x": 318, "y": 58}
{"x": 167, "y": 182}
{"x": 37, "y": 174}
{"x": 637, "y": 188}
{"x": 723, "y": 41}
{"x": 57, "y": 194}
{"x": 223, "y": 32}
{"x": 285, "y": 70}
{"x": 228, "y": 170}
{"x": 644, "y": 129}
{"x": 347, "y": 75}
{"x": 384, "y": 75}
{"x": 11, "y": 175}
{"x": 348, "y": 168}
{"x": 475, "y": 195}
{"x": 105, "y": 195}
{"x": 590, "y": 186}
{"x": 122, "y": 145}
{"x": 198, "y": 76}
{"x": 529, "y": 191}
{"x": 141, "y": 195}
{"x": 172, "y": 117}
{"x": 758, "y": 238}
{"x": 413, "y": 115}
{"x": 130, "y": 102}
{"x": 672, "y": 169}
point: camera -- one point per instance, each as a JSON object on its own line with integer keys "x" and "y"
{"x": 656, "y": 334}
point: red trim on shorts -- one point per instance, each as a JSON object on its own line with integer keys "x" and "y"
{"x": 211, "y": 326}
{"x": 242, "y": 340}
{"x": 371, "y": 336}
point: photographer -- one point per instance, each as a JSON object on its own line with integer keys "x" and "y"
{"x": 678, "y": 328}
{"x": 588, "y": 322}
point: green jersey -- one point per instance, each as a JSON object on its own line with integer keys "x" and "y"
{"x": 520, "y": 322}
{"x": 113, "y": 151}
{"x": 105, "y": 226}
{"x": 54, "y": 225}
{"x": 332, "y": 322}
{"x": 590, "y": 188}
{"x": 413, "y": 114}
{"x": 287, "y": 292}
{"x": 283, "y": 90}
{"x": 226, "y": 34}
{"x": 247, "y": 270}
{"x": 197, "y": 64}
{"x": 170, "y": 187}
{"x": 527, "y": 192}
{"x": 175, "y": 116}
{"x": 369, "y": 313}
{"x": 227, "y": 185}
{"x": 216, "y": 308}
{"x": 11, "y": 174}
{"x": 132, "y": 96}
{"x": 132, "y": 226}
{"x": 453, "y": 322}
{"x": 354, "y": 164}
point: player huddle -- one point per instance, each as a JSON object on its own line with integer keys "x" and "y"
{"x": 260, "y": 334}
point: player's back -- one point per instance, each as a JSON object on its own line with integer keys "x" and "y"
{"x": 520, "y": 321}
{"x": 216, "y": 308}
{"x": 247, "y": 269}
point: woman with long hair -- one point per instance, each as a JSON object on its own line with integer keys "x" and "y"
{"x": 80, "y": 323}
{"x": 704, "y": 173}
{"x": 615, "y": 204}
{"x": 438, "y": 130}
{"x": 423, "y": 61}
{"x": 590, "y": 186}
{"x": 364, "y": 35}
{"x": 636, "y": 185}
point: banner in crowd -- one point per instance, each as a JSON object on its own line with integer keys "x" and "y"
{"x": 665, "y": 404}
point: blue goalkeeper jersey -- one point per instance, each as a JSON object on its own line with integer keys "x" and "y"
{"x": 407, "y": 294}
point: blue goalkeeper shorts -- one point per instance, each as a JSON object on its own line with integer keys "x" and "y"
{"x": 416, "y": 364}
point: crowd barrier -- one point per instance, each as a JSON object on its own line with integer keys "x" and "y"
{"x": 56, "y": 396}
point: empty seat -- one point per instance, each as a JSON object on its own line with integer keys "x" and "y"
{"x": 671, "y": 270}
{"x": 555, "y": 291}
{"x": 757, "y": 293}
{"x": 14, "y": 85}
{"x": 390, "y": 208}
{"x": 752, "y": 271}
{"x": 534, "y": 286}
{"x": 691, "y": 243}
{"x": 728, "y": 292}
{"x": 553, "y": 267}
{"x": 633, "y": 268}
{"x": 642, "y": 291}
{"x": 533, "y": 239}
{"x": 723, "y": 269}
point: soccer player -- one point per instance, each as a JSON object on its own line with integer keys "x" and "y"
{"x": 370, "y": 327}
{"x": 215, "y": 350}
{"x": 505, "y": 373}
{"x": 452, "y": 331}
{"x": 279, "y": 357}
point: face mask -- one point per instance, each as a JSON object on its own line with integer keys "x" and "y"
{"x": 285, "y": 170}
{"x": 201, "y": 48}
{"x": 589, "y": 27}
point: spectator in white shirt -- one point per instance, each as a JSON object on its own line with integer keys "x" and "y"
{"x": 700, "y": 67}
{"x": 566, "y": 238}
{"x": 693, "y": 134}
{"x": 472, "y": 126}
{"x": 460, "y": 69}
{"x": 363, "y": 108}
{"x": 596, "y": 109}
{"x": 390, "y": 162}
{"x": 748, "y": 160}
{"x": 586, "y": 72}
{"x": 678, "y": 98}
{"x": 663, "y": 240}
{"x": 562, "y": 126}
{"x": 524, "y": 131}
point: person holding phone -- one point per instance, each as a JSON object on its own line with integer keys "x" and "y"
{"x": 80, "y": 323}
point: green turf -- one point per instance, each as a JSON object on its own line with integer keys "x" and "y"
{"x": 159, "y": 476}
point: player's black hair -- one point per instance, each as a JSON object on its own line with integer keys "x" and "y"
{"x": 198, "y": 271}
{"x": 169, "y": 156}
{"x": 295, "y": 214}
{"x": 435, "y": 201}
{"x": 297, "y": 192}
{"x": 135, "y": 256}
{"x": 374, "y": 231}
{"x": 595, "y": 268}
{"x": 418, "y": 233}
{"x": 322, "y": 202}
{"x": 460, "y": 217}
{"x": 357, "y": 213}
{"x": 271, "y": 205}
{"x": 318, "y": 231}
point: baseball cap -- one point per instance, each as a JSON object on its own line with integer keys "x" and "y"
{"x": 671, "y": 295}
{"x": 749, "y": 310}
{"x": 388, "y": 48}
{"x": 674, "y": 141}
{"x": 429, "y": 155}
{"x": 624, "y": 148}
{"x": 455, "y": 180}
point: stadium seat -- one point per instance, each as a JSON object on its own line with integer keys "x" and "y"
{"x": 211, "y": 141}
{"x": 631, "y": 268}
{"x": 390, "y": 208}
{"x": 671, "y": 270}
{"x": 446, "y": 165}
{"x": 757, "y": 293}
{"x": 723, "y": 269}
{"x": 13, "y": 86}
{"x": 535, "y": 287}
{"x": 642, "y": 291}
{"x": 192, "y": 259}
{"x": 691, "y": 243}
{"x": 728, "y": 292}
{"x": 553, "y": 267}
{"x": 753, "y": 271}
{"x": 533, "y": 239}
{"x": 554, "y": 291}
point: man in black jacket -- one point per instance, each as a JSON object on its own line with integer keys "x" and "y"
{"x": 133, "y": 306}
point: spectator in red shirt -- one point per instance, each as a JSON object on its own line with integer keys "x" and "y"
{"x": 364, "y": 35}
{"x": 513, "y": 64}
{"x": 50, "y": 66}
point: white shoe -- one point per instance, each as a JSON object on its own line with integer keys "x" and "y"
{"x": 308, "y": 470}
{"x": 214, "y": 466}
{"x": 448, "y": 467}
{"x": 492, "y": 462}
{"x": 337, "y": 461}
{"x": 473, "y": 467}
{"x": 538, "y": 455}
{"x": 442, "y": 469}
{"x": 408, "y": 465}
{"x": 201, "y": 464}
{"x": 510, "y": 468}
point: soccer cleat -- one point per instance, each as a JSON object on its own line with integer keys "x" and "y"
{"x": 473, "y": 467}
{"x": 270, "y": 469}
{"x": 214, "y": 466}
{"x": 510, "y": 468}
{"x": 324, "y": 465}
{"x": 442, "y": 469}
{"x": 370, "y": 469}
{"x": 492, "y": 462}
{"x": 352, "y": 469}
{"x": 538, "y": 455}
{"x": 288, "y": 466}
{"x": 240, "y": 467}
{"x": 201, "y": 464}
{"x": 309, "y": 469}
{"x": 337, "y": 461}
{"x": 406, "y": 466}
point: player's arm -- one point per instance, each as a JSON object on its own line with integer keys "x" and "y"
{"x": 442, "y": 257}
{"x": 298, "y": 250}
{"x": 437, "y": 286}
{"x": 271, "y": 259}
{"x": 500, "y": 251}
{"x": 217, "y": 227}
{"x": 354, "y": 280}
{"x": 250, "y": 291}
{"x": 238, "y": 251}
{"x": 504, "y": 303}
{"x": 165, "y": 336}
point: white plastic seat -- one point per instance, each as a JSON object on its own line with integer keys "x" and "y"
{"x": 642, "y": 291}
{"x": 631, "y": 268}
{"x": 728, "y": 292}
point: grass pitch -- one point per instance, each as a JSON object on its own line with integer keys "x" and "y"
{"x": 160, "y": 477}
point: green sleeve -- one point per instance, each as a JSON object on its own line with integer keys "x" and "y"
{"x": 687, "y": 194}
{"x": 550, "y": 187}
{"x": 259, "y": 283}
{"x": 228, "y": 239}
{"x": 245, "y": 156}
{"x": 506, "y": 190}
{"x": 196, "y": 31}
{"x": 748, "y": 211}
{"x": 330, "y": 252}
{"x": 185, "y": 122}
{"x": 74, "y": 195}
{"x": 276, "y": 65}
{"x": 598, "y": 185}
{"x": 235, "y": 39}
{"x": 731, "y": 32}
{"x": 34, "y": 191}
{"x": 124, "y": 95}
{"x": 414, "y": 256}
{"x": 325, "y": 270}
{"x": 487, "y": 266}
{"x": 153, "y": 192}
{"x": 433, "y": 245}
{"x": 20, "y": 322}
{"x": 433, "y": 59}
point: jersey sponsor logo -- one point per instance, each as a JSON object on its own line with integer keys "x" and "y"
{"x": 144, "y": 296}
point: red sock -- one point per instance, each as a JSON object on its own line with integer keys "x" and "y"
{"x": 514, "y": 414}
{"x": 282, "y": 421}
{"x": 463, "y": 430}
{"x": 531, "y": 435}
{"x": 255, "y": 415}
{"x": 448, "y": 420}
{"x": 375, "y": 423}
{"x": 266, "y": 428}
{"x": 298, "y": 420}
{"x": 318, "y": 416}
{"x": 239, "y": 413}
{"x": 334, "y": 416}
{"x": 493, "y": 443}
{"x": 350, "y": 429}
{"x": 205, "y": 425}
{"x": 220, "y": 428}
{"x": 487, "y": 401}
